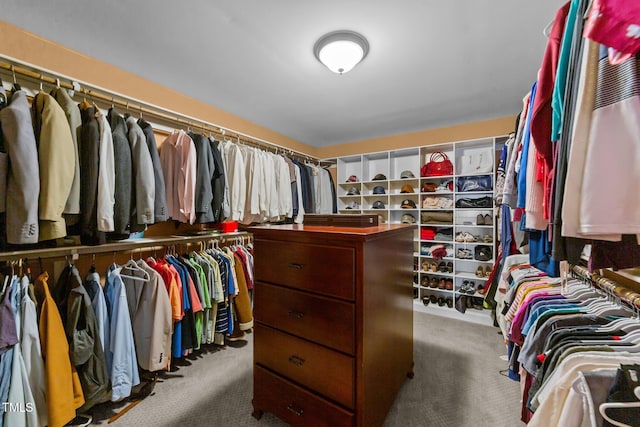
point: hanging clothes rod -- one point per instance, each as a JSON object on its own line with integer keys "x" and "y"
{"x": 127, "y": 245}
{"x": 624, "y": 294}
{"x": 14, "y": 67}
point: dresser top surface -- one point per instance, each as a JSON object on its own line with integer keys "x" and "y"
{"x": 363, "y": 232}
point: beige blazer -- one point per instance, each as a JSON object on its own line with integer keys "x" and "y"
{"x": 57, "y": 161}
{"x": 72, "y": 113}
{"x": 150, "y": 312}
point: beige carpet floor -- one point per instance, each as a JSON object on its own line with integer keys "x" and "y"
{"x": 457, "y": 383}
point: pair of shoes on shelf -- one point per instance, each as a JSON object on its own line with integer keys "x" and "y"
{"x": 463, "y": 236}
{"x": 463, "y": 253}
{"x": 484, "y": 271}
{"x": 484, "y": 219}
{"x": 468, "y": 287}
{"x": 487, "y": 238}
{"x": 442, "y": 301}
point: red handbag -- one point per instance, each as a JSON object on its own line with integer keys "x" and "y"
{"x": 438, "y": 165}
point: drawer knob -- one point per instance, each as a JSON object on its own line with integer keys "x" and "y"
{"x": 296, "y": 360}
{"x": 295, "y": 314}
{"x": 296, "y": 265}
{"x": 297, "y": 411}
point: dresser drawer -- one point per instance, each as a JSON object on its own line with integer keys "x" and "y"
{"x": 322, "y": 320}
{"x": 328, "y": 270}
{"x": 294, "y": 404}
{"x": 324, "y": 371}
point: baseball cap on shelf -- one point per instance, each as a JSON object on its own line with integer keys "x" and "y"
{"x": 353, "y": 191}
{"x": 408, "y": 219}
{"x": 353, "y": 205}
{"x": 408, "y": 204}
{"x": 378, "y": 189}
{"x": 378, "y": 205}
{"x": 379, "y": 177}
{"x": 352, "y": 178}
{"x": 407, "y": 174}
{"x": 406, "y": 189}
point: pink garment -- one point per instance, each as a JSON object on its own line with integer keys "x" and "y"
{"x": 178, "y": 159}
{"x": 615, "y": 24}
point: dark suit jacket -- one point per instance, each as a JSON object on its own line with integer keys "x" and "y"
{"x": 89, "y": 169}
{"x": 124, "y": 184}
{"x": 217, "y": 183}
{"x": 204, "y": 174}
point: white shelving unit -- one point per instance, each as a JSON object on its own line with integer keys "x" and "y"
{"x": 367, "y": 168}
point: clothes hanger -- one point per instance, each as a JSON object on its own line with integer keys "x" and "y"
{"x": 619, "y": 405}
{"x": 133, "y": 266}
{"x": 16, "y": 86}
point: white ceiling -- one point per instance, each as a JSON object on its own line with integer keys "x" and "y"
{"x": 431, "y": 63}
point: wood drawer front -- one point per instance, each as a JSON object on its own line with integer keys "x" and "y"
{"x": 326, "y": 321}
{"x": 324, "y": 371}
{"x": 328, "y": 270}
{"x": 294, "y": 404}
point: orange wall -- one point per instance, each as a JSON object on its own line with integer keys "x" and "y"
{"x": 33, "y": 49}
{"x": 474, "y": 130}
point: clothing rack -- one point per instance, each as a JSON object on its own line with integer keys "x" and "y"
{"x": 128, "y": 245}
{"x": 621, "y": 293}
{"x": 12, "y": 67}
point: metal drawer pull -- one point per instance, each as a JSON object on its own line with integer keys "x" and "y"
{"x": 297, "y": 411}
{"x": 295, "y": 314}
{"x": 296, "y": 265}
{"x": 296, "y": 360}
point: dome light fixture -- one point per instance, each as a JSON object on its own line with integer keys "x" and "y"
{"x": 342, "y": 50}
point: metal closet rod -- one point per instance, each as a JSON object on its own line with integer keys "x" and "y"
{"x": 128, "y": 245}
{"x": 610, "y": 287}
{"x": 16, "y": 67}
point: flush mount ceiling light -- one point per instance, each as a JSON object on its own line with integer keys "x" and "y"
{"x": 340, "y": 51}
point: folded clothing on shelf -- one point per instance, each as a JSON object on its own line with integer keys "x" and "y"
{"x": 444, "y": 234}
{"x": 437, "y": 217}
{"x": 437, "y": 202}
{"x": 427, "y": 233}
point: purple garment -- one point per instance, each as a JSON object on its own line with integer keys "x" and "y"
{"x": 8, "y": 332}
{"x": 616, "y": 255}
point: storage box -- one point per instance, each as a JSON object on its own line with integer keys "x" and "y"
{"x": 341, "y": 220}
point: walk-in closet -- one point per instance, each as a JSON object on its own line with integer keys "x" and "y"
{"x": 327, "y": 214}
